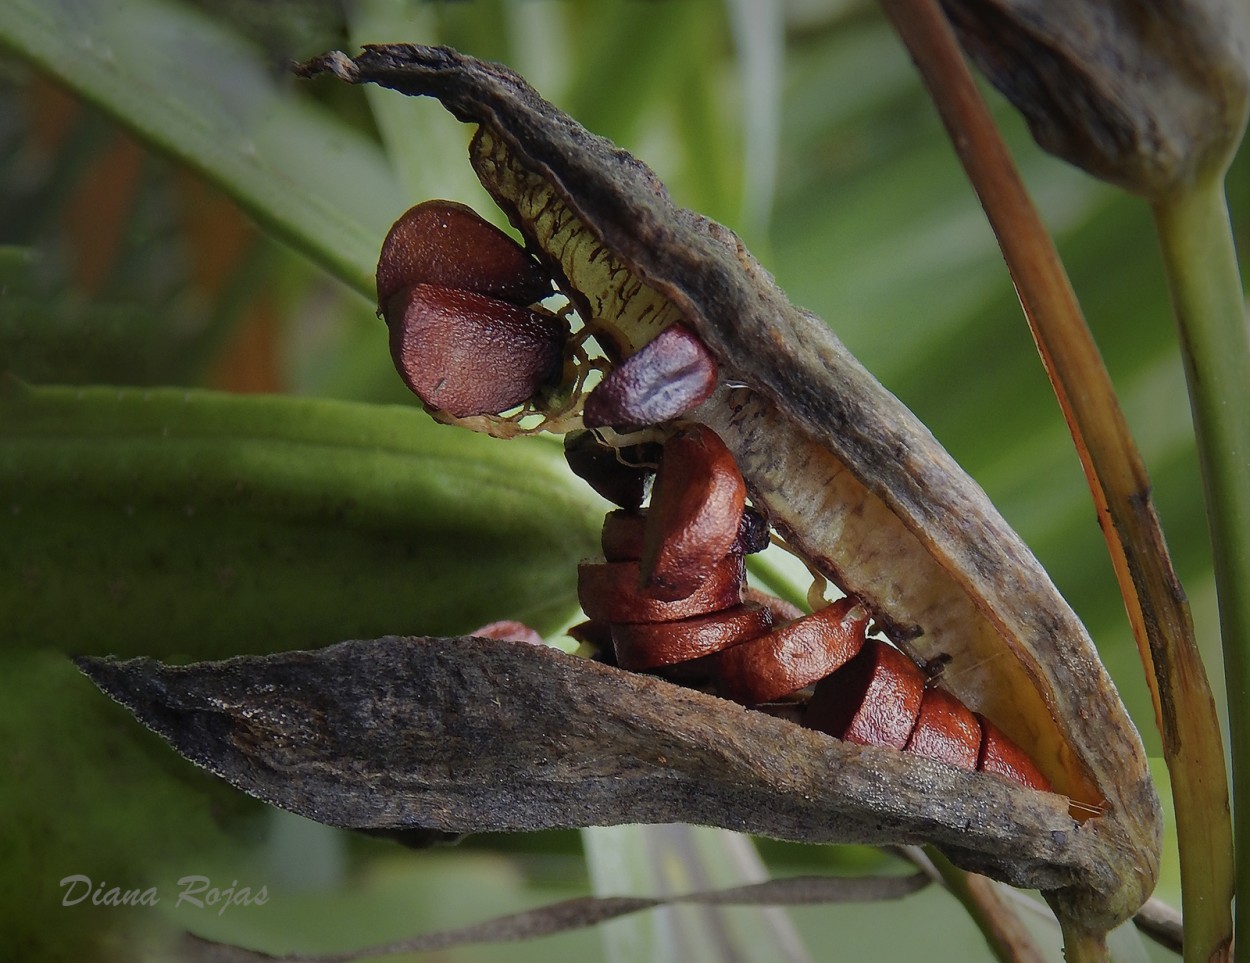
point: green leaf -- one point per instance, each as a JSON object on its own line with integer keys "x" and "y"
{"x": 207, "y": 524}
{"x": 196, "y": 91}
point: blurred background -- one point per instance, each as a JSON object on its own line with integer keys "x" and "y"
{"x": 131, "y": 255}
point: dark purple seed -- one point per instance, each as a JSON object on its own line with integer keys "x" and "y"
{"x": 598, "y": 465}
{"x": 668, "y": 377}
{"x": 753, "y": 533}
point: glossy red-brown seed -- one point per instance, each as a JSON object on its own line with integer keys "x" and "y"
{"x": 622, "y": 478}
{"x": 669, "y": 376}
{"x": 789, "y": 658}
{"x": 621, "y": 539}
{"x": 448, "y": 244}
{"x": 695, "y": 512}
{"x": 874, "y": 700}
{"x": 609, "y": 592}
{"x": 753, "y": 533}
{"x": 1002, "y": 756}
{"x": 946, "y": 730}
{"x": 623, "y": 534}
{"x": 781, "y": 610}
{"x": 643, "y": 646}
{"x": 467, "y": 354}
{"x": 508, "y": 630}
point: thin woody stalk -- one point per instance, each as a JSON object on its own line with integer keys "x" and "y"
{"x": 1005, "y": 933}
{"x": 1201, "y": 267}
{"x": 1157, "y": 607}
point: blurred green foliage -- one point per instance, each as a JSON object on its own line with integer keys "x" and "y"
{"x": 175, "y": 210}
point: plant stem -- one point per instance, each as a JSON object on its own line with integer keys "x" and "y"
{"x": 1156, "y": 604}
{"x": 1201, "y": 268}
{"x": 1008, "y": 938}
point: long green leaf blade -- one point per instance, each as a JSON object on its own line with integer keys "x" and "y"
{"x": 200, "y": 523}
{"x": 195, "y": 90}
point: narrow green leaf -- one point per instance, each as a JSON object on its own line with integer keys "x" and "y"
{"x": 198, "y": 523}
{"x": 195, "y": 90}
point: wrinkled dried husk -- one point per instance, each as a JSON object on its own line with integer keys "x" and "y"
{"x": 1149, "y": 96}
{"x": 470, "y": 735}
{"x": 853, "y": 480}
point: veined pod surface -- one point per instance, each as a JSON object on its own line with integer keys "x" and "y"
{"x": 852, "y": 480}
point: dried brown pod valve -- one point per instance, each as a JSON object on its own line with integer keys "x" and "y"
{"x": 468, "y": 354}
{"x": 451, "y": 245}
{"x": 665, "y": 379}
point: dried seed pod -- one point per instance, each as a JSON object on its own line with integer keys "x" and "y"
{"x": 602, "y": 468}
{"x": 695, "y": 513}
{"x": 645, "y": 646}
{"x": 787, "y": 659}
{"x": 667, "y": 378}
{"x": 448, "y": 244}
{"x": 853, "y": 482}
{"x": 468, "y": 354}
{"x": 874, "y": 700}
{"x": 609, "y": 592}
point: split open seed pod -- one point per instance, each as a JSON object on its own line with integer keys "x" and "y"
{"x": 852, "y": 480}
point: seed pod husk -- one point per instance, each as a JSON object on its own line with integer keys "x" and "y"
{"x": 844, "y": 472}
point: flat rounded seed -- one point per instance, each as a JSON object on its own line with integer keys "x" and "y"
{"x": 467, "y": 354}
{"x": 874, "y": 700}
{"x": 508, "y": 630}
{"x": 448, "y": 244}
{"x": 781, "y": 610}
{"x": 1003, "y": 757}
{"x": 623, "y": 534}
{"x": 640, "y": 646}
{"x": 696, "y": 510}
{"x": 609, "y": 592}
{"x": 598, "y": 465}
{"x": 621, "y": 539}
{"x": 946, "y": 730}
{"x": 787, "y": 659}
{"x": 753, "y": 532}
{"x": 667, "y": 377}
